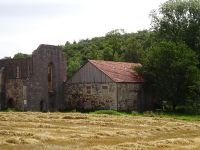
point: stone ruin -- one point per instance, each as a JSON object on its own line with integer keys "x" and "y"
{"x": 34, "y": 83}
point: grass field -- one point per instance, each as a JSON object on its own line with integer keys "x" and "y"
{"x": 28, "y": 130}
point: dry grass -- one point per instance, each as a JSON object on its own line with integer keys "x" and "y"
{"x": 98, "y": 132}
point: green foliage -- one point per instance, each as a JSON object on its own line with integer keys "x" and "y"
{"x": 177, "y": 116}
{"x": 114, "y": 40}
{"x": 171, "y": 71}
{"x": 116, "y": 45}
{"x": 20, "y": 55}
{"x": 177, "y": 72}
{"x": 108, "y": 53}
{"x": 109, "y": 112}
{"x": 11, "y": 110}
{"x": 132, "y": 50}
{"x": 73, "y": 65}
{"x": 179, "y": 20}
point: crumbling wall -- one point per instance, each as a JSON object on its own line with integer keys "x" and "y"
{"x": 39, "y": 97}
{"x": 26, "y": 80}
{"x": 14, "y": 73}
{"x": 15, "y": 93}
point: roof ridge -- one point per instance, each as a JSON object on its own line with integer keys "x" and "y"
{"x": 114, "y": 61}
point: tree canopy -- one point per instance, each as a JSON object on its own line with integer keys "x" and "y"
{"x": 115, "y": 45}
{"x": 20, "y": 55}
{"x": 178, "y": 20}
{"x": 171, "y": 69}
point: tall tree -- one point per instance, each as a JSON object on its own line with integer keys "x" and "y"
{"x": 179, "y": 20}
{"x": 132, "y": 50}
{"x": 114, "y": 40}
{"x": 171, "y": 71}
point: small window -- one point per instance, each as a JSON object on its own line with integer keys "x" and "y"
{"x": 24, "y": 92}
{"x": 50, "y": 77}
{"x": 88, "y": 90}
{"x": 17, "y": 76}
{"x": 105, "y": 87}
{"x": 25, "y": 102}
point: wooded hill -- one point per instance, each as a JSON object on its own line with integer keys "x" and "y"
{"x": 115, "y": 45}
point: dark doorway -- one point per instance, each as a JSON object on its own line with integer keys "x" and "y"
{"x": 11, "y": 103}
{"x": 141, "y": 99}
{"x": 41, "y": 105}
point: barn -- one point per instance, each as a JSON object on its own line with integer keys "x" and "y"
{"x": 106, "y": 85}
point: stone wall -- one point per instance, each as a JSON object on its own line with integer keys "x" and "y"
{"x": 39, "y": 97}
{"x": 15, "y": 93}
{"x": 91, "y": 96}
{"x": 130, "y": 96}
{"x": 94, "y": 96}
{"x": 17, "y": 68}
{"x": 24, "y": 82}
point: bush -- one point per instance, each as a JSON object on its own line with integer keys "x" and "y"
{"x": 11, "y": 110}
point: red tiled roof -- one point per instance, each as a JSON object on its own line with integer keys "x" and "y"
{"x": 118, "y": 71}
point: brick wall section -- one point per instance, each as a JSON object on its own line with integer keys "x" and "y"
{"x": 91, "y": 96}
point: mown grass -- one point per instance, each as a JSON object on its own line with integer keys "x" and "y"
{"x": 115, "y": 130}
{"x": 185, "y": 117}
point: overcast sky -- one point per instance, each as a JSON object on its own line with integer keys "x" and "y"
{"x": 24, "y": 24}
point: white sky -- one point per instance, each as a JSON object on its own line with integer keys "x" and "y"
{"x": 24, "y": 24}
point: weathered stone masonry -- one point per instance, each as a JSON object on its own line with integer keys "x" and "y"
{"x": 91, "y": 96}
{"x": 96, "y": 96}
{"x": 105, "y": 85}
{"x": 34, "y": 83}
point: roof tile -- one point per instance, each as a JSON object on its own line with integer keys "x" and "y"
{"x": 118, "y": 71}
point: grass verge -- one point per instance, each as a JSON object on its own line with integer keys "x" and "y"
{"x": 109, "y": 112}
{"x": 10, "y": 110}
{"x": 185, "y": 117}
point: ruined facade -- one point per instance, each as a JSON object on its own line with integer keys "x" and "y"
{"x": 34, "y": 83}
{"x": 106, "y": 85}
{"x": 38, "y": 83}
